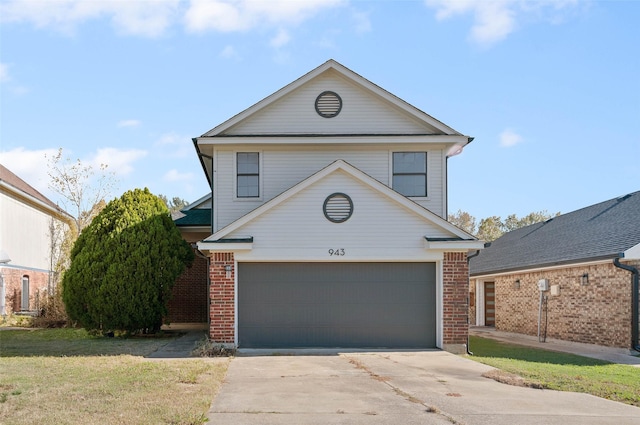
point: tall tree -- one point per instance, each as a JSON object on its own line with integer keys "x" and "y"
{"x": 512, "y": 222}
{"x": 124, "y": 265}
{"x": 490, "y": 228}
{"x": 464, "y": 220}
{"x": 83, "y": 189}
{"x": 175, "y": 204}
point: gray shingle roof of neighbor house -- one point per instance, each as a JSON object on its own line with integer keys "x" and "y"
{"x": 195, "y": 217}
{"x": 592, "y": 233}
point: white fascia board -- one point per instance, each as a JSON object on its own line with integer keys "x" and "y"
{"x": 632, "y": 253}
{"x": 449, "y": 246}
{"x": 195, "y": 204}
{"x": 329, "y": 139}
{"x": 224, "y": 247}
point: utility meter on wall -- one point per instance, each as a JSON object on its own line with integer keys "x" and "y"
{"x": 543, "y": 284}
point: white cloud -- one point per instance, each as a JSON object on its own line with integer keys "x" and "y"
{"x": 362, "y": 21}
{"x": 494, "y": 20}
{"x": 4, "y": 73}
{"x": 229, "y": 52}
{"x": 143, "y": 18}
{"x": 174, "y": 175}
{"x": 509, "y": 138}
{"x": 119, "y": 161}
{"x": 128, "y": 123}
{"x": 30, "y": 166}
{"x": 174, "y": 145}
{"x": 242, "y": 15}
{"x": 281, "y": 39}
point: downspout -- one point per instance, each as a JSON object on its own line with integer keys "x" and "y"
{"x": 469, "y": 257}
{"x": 635, "y": 288}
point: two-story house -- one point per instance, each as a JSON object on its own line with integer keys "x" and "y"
{"x": 29, "y": 225}
{"x": 328, "y": 224}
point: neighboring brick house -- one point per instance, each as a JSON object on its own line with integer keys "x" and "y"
{"x": 589, "y": 261}
{"x": 328, "y": 224}
{"x": 26, "y": 217}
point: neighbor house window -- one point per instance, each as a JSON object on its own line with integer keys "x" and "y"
{"x": 410, "y": 173}
{"x": 248, "y": 175}
{"x": 25, "y": 293}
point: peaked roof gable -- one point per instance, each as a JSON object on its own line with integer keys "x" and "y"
{"x": 346, "y": 73}
{"x": 598, "y": 232}
{"x": 357, "y": 174}
{"x": 14, "y": 183}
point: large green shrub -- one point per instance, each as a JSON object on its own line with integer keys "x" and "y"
{"x": 124, "y": 264}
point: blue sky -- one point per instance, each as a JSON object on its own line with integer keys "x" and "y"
{"x": 549, "y": 89}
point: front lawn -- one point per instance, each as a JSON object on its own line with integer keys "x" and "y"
{"x": 65, "y": 376}
{"x": 560, "y": 371}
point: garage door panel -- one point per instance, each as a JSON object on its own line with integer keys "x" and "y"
{"x": 336, "y": 305}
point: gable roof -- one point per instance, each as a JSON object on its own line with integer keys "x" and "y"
{"x": 194, "y": 218}
{"x": 458, "y": 235}
{"x": 349, "y": 75}
{"x": 598, "y": 232}
{"x": 15, "y": 184}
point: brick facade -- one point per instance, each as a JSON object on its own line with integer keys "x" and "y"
{"x": 38, "y": 289}
{"x": 188, "y": 303}
{"x": 596, "y": 313}
{"x": 222, "y": 298}
{"x": 455, "y": 301}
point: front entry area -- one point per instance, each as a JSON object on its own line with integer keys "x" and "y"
{"x": 345, "y": 305}
{"x": 489, "y": 304}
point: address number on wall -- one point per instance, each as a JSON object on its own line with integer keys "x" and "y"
{"x": 339, "y": 252}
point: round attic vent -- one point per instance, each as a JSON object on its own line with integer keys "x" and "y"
{"x": 338, "y": 207}
{"x": 328, "y": 104}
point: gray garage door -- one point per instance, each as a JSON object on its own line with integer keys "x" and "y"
{"x": 389, "y": 305}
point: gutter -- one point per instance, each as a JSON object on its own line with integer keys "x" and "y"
{"x": 635, "y": 288}
{"x": 469, "y": 257}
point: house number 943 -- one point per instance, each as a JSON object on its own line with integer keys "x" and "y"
{"x": 338, "y": 252}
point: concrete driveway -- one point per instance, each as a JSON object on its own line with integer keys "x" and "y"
{"x": 426, "y": 387}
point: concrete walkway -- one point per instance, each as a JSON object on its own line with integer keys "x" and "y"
{"x": 422, "y": 387}
{"x": 613, "y": 355}
{"x": 179, "y": 348}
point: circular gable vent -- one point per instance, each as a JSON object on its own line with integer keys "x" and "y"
{"x": 338, "y": 207}
{"x": 328, "y": 104}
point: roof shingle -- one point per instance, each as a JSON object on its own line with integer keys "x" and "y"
{"x": 599, "y": 231}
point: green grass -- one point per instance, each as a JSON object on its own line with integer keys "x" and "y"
{"x": 100, "y": 380}
{"x": 561, "y": 371}
{"x": 74, "y": 342}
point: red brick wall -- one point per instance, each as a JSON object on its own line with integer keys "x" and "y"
{"x": 188, "y": 303}
{"x": 597, "y": 313}
{"x": 38, "y": 285}
{"x": 455, "y": 293}
{"x": 222, "y": 296}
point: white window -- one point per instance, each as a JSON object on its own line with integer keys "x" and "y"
{"x": 25, "y": 293}
{"x": 248, "y": 175}
{"x": 410, "y": 173}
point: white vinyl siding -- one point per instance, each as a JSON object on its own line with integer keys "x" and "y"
{"x": 378, "y": 229}
{"x": 285, "y": 166}
{"x": 362, "y": 113}
{"x": 24, "y": 231}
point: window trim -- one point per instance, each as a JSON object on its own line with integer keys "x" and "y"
{"x": 235, "y": 179}
{"x": 392, "y": 174}
{"x": 25, "y": 282}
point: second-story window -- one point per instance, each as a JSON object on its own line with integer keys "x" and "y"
{"x": 248, "y": 175}
{"x": 410, "y": 173}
